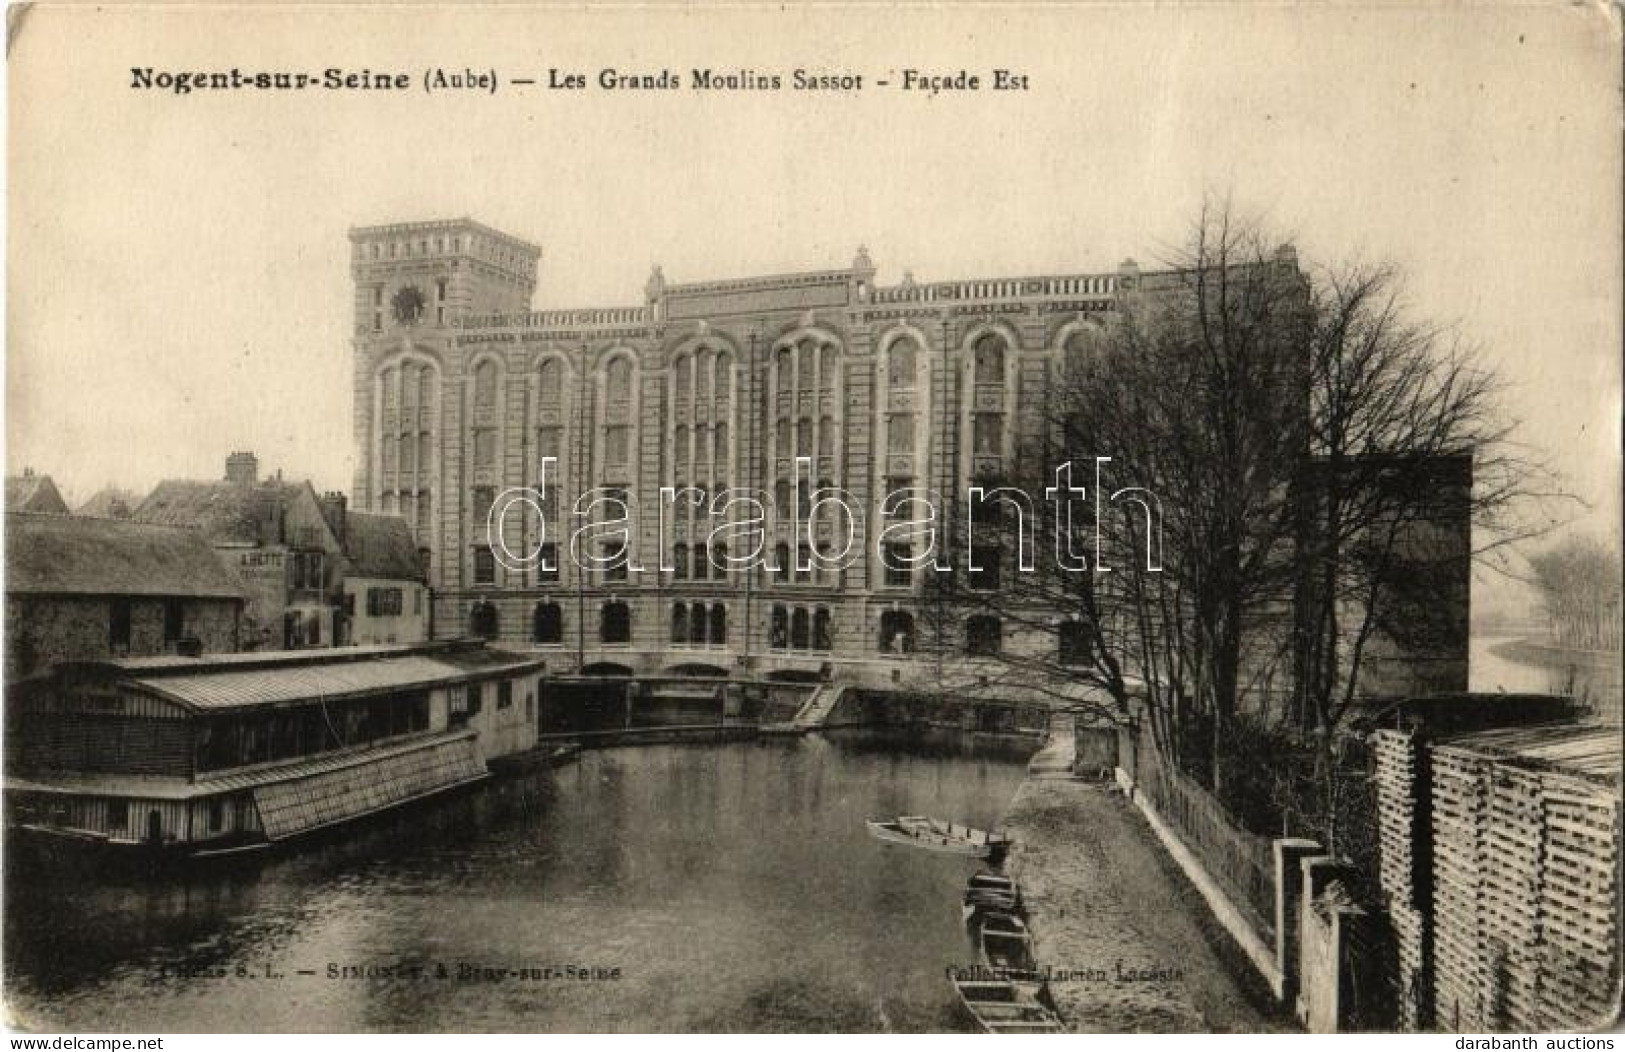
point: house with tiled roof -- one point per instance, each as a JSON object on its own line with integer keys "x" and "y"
{"x": 84, "y": 589}
{"x": 386, "y": 594}
{"x": 274, "y": 536}
{"x": 37, "y": 493}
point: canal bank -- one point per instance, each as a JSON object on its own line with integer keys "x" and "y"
{"x": 1115, "y": 918}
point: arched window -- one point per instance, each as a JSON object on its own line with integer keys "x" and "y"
{"x": 719, "y": 562}
{"x": 702, "y": 562}
{"x": 989, "y": 355}
{"x": 826, "y": 437}
{"x": 805, "y": 362}
{"x": 896, "y": 632}
{"x": 679, "y": 558}
{"x": 485, "y": 384}
{"x": 696, "y": 624}
{"x": 778, "y": 633}
{"x": 547, "y": 624}
{"x": 900, "y": 364}
{"x": 799, "y": 639}
{"x": 785, "y": 362}
{"x": 615, "y": 623}
{"x": 680, "y": 454}
{"x": 719, "y": 624}
{"x": 781, "y": 559}
{"x": 550, "y": 381}
{"x": 983, "y": 635}
{"x": 618, "y": 381}
{"x": 483, "y": 621}
{"x": 679, "y": 623}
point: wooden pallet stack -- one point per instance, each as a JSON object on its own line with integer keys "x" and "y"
{"x": 1397, "y": 768}
{"x": 1460, "y": 810}
{"x": 1579, "y": 911}
{"x": 1513, "y": 878}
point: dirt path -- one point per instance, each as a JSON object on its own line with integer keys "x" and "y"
{"x": 1103, "y": 899}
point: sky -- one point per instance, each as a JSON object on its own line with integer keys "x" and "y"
{"x": 178, "y": 283}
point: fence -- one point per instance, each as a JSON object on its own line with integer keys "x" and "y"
{"x": 1240, "y": 862}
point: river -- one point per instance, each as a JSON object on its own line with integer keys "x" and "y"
{"x": 701, "y": 888}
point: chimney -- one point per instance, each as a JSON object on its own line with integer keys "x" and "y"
{"x": 335, "y": 509}
{"x": 242, "y": 468}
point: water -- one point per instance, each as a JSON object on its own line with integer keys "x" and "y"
{"x": 733, "y": 886}
{"x": 1490, "y": 670}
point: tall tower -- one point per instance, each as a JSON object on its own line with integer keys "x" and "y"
{"x": 410, "y": 275}
{"x": 415, "y": 286}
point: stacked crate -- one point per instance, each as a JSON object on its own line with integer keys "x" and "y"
{"x": 1460, "y": 809}
{"x": 1579, "y": 911}
{"x": 1512, "y": 881}
{"x": 1397, "y": 769}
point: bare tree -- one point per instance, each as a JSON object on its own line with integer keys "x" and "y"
{"x": 1578, "y": 581}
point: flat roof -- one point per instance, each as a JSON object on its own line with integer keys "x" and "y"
{"x": 1595, "y": 751}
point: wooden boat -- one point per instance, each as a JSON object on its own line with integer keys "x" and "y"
{"x": 1006, "y": 945}
{"x": 990, "y": 892}
{"x": 933, "y": 834}
{"x": 1001, "y": 1007}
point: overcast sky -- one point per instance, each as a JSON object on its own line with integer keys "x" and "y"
{"x": 179, "y": 285}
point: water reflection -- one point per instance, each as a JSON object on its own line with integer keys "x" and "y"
{"x": 732, "y": 885}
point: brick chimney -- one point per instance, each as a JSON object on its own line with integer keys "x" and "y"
{"x": 242, "y": 468}
{"x": 335, "y": 509}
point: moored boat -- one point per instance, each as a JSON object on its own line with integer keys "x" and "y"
{"x": 1003, "y": 1007}
{"x": 933, "y": 834}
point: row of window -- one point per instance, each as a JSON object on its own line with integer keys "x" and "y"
{"x": 707, "y": 562}
{"x": 789, "y": 628}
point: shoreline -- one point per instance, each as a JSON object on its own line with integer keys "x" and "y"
{"x": 1110, "y": 910}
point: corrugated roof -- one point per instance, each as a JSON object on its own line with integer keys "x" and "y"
{"x": 68, "y": 555}
{"x": 1585, "y": 749}
{"x": 381, "y": 546}
{"x": 222, "y": 689}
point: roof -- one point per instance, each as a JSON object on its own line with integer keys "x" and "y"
{"x": 226, "y": 512}
{"x": 235, "y": 681}
{"x": 381, "y": 546}
{"x": 110, "y": 502}
{"x": 1590, "y": 750}
{"x": 31, "y": 492}
{"x": 69, "y": 555}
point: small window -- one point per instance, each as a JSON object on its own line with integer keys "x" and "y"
{"x": 217, "y": 814}
{"x": 174, "y": 621}
{"x": 118, "y": 625}
{"x": 898, "y": 571}
{"x": 485, "y": 566}
{"x": 505, "y": 694}
{"x": 118, "y": 815}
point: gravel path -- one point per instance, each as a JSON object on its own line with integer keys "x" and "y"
{"x": 1106, "y": 903}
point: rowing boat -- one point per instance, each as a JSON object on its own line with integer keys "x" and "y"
{"x": 933, "y": 834}
{"x": 1001, "y": 1007}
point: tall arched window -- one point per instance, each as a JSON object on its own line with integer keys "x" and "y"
{"x": 404, "y": 438}
{"x": 719, "y": 624}
{"x": 618, "y": 420}
{"x": 485, "y": 385}
{"x": 896, "y": 632}
{"x": 679, "y": 623}
{"x": 778, "y": 632}
{"x": 696, "y": 624}
{"x": 799, "y": 637}
{"x": 988, "y": 419}
{"x": 821, "y": 634}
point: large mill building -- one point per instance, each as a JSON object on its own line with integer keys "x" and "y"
{"x": 461, "y": 390}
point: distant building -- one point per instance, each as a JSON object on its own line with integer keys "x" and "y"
{"x": 386, "y": 597}
{"x": 274, "y": 535}
{"x": 36, "y": 493}
{"x": 110, "y": 502}
{"x": 94, "y": 589}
